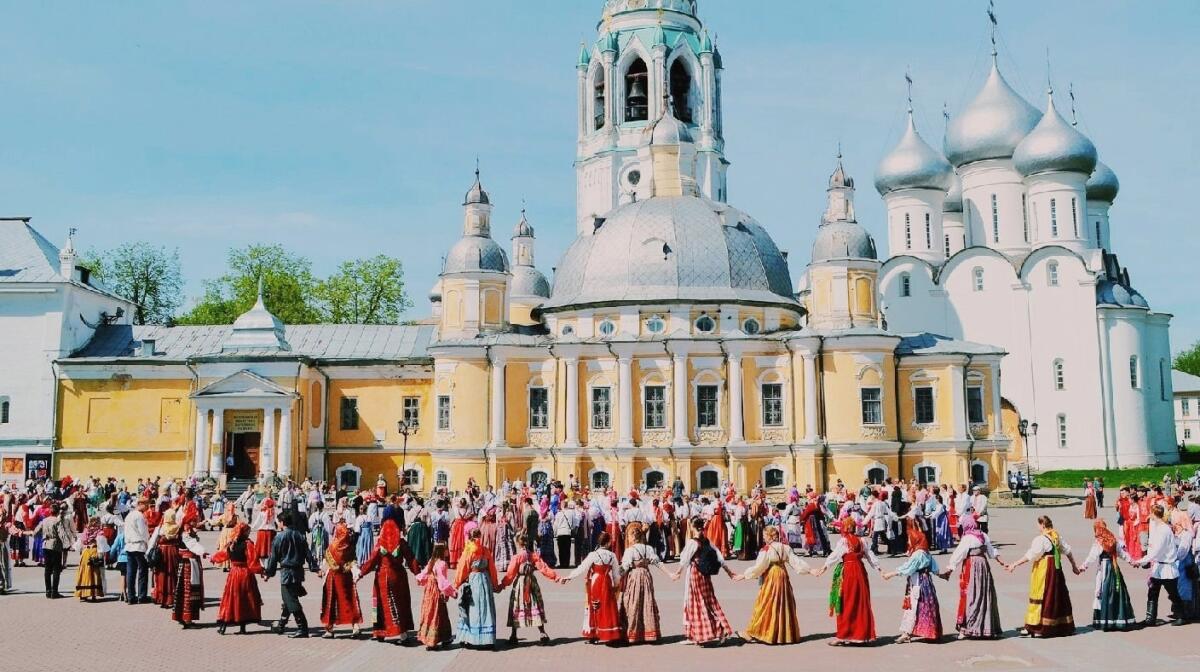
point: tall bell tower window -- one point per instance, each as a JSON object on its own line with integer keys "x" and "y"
{"x": 598, "y": 97}
{"x": 637, "y": 100}
{"x": 681, "y": 89}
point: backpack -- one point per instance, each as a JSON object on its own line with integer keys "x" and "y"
{"x": 707, "y": 561}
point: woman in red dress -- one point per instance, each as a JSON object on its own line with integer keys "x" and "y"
{"x": 715, "y": 530}
{"x": 434, "y": 630}
{"x": 389, "y": 591}
{"x": 458, "y": 533}
{"x": 339, "y": 599}
{"x": 241, "y": 603}
{"x": 850, "y": 594}
{"x": 602, "y": 618}
{"x": 168, "y": 550}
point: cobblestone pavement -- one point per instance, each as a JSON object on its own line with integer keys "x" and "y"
{"x": 144, "y": 638}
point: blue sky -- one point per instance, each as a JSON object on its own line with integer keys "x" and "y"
{"x": 344, "y": 129}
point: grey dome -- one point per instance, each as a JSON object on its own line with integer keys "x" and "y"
{"x": 475, "y": 253}
{"x": 667, "y": 130}
{"x": 476, "y": 194}
{"x": 528, "y": 281}
{"x": 992, "y": 125}
{"x": 523, "y": 228}
{"x": 1103, "y": 184}
{"x": 256, "y": 329}
{"x": 953, "y": 202}
{"x": 843, "y": 240}
{"x": 665, "y": 249}
{"x": 1054, "y": 146}
{"x": 912, "y": 164}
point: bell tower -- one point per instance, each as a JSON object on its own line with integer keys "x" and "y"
{"x": 649, "y": 57}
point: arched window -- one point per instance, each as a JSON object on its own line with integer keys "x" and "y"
{"x": 601, "y": 480}
{"x": 928, "y": 233}
{"x": 1060, "y": 378}
{"x": 708, "y": 478}
{"x": 348, "y": 476}
{"x": 441, "y": 479}
{"x": 598, "y": 97}
{"x": 1062, "y": 430}
{"x": 773, "y": 477}
{"x": 538, "y": 477}
{"x": 905, "y": 285}
{"x": 681, "y": 91}
{"x": 876, "y": 475}
{"x": 926, "y": 474}
{"x": 907, "y": 232}
{"x": 654, "y": 479}
{"x": 637, "y": 101}
{"x": 1052, "y": 274}
{"x": 979, "y": 472}
{"x": 977, "y": 275}
{"x": 1134, "y": 376}
{"x": 411, "y": 477}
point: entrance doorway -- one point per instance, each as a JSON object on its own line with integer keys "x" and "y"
{"x": 243, "y": 446}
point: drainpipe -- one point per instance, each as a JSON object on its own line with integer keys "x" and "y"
{"x": 55, "y": 438}
{"x": 192, "y": 420}
{"x": 819, "y": 360}
{"x": 899, "y": 425}
{"x": 487, "y": 471}
{"x": 967, "y": 419}
{"x": 324, "y": 423}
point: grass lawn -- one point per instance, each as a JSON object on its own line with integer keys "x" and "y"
{"x": 1113, "y": 478}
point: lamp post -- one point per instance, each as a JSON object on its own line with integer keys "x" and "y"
{"x": 404, "y": 429}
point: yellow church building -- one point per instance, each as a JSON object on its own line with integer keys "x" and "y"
{"x": 671, "y": 343}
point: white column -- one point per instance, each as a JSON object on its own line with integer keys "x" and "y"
{"x": 625, "y": 385}
{"x": 284, "y": 467}
{"x": 203, "y": 447}
{"x": 997, "y": 420}
{"x": 266, "y": 451}
{"x": 216, "y": 457}
{"x": 679, "y": 406}
{"x": 217, "y": 441}
{"x": 958, "y": 404}
{"x": 572, "y": 433}
{"x": 737, "y": 432}
{"x": 810, "y": 398}
{"x": 498, "y": 403}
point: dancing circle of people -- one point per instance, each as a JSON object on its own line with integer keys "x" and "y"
{"x": 473, "y": 546}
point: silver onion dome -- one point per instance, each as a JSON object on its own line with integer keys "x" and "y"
{"x": 476, "y": 194}
{"x": 842, "y": 240}
{"x": 1054, "y": 146}
{"x": 912, "y": 164}
{"x": 476, "y": 253}
{"x": 528, "y": 281}
{"x": 523, "y": 229}
{"x": 1103, "y": 184}
{"x": 953, "y": 202}
{"x": 992, "y": 125}
{"x": 667, "y": 130}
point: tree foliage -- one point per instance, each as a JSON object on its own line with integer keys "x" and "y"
{"x": 149, "y": 275}
{"x": 365, "y": 291}
{"x": 1188, "y": 361}
{"x": 288, "y": 288}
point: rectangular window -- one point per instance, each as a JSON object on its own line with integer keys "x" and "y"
{"x": 995, "y": 220}
{"x": 1185, "y": 407}
{"x": 412, "y": 412}
{"x": 706, "y": 406}
{"x": 1054, "y": 217}
{"x": 928, "y": 233}
{"x": 1099, "y": 243}
{"x": 872, "y": 405}
{"x": 1187, "y": 433}
{"x": 4, "y": 412}
{"x": 772, "y": 404}
{"x": 1060, "y": 378}
{"x": 1025, "y": 216}
{"x": 1062, "y": 431}
{"x": 947, "y": 244}
{"x": 1133, "y": 372}
{"x": 349, "y": 413}
{"x": 601, "y": 408}
{"x": 923, "y": 402}
{"x": 907, "y": 232}
{"x": 539, "y": 408}
{"x": 443, "y": 411}
{"x": 975, "y": 414}
{"x": 655, "y": 407}
{"x": 441, "y": 479}
{"x": 1075, "y": 215}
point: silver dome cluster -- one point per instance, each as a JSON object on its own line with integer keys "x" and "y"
{"x": 992, "y": 125}
{"x": 912, "y": 164}
{"x": 1054, "y": 146}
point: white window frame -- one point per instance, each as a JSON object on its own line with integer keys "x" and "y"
{"x": 774, "y": 467}
{"x": 444, "y": 403}
{"x": 545, "y": 420}
{"x": 925, "y": 385}
{"x": 862, "y": 405}
{"x": 708, "y": 468}
{"x": 420, "y": 481}
{"x": 441, "y": 478}
{"x": 1052, "y": 274}
{"x": 1061, "y": 428}
{"x": 926, "y": 464}
{"x": 1185, "y": 407}
{"x": 876, "y": 465}
{"x": 905, "y": 285}
{"x": 411, "y": 406}
{"x": 987, "y": 470}
{"x": 716, "y": 385}
{"x": 646, "y": 385}
{"x": 592, "y": 416}
{"x": 946, "y": 244}
{"x": 653, "y": 470}
{"x": 762, "y": 396}
{"x": 1059, "y": 372}
{"x": 536, "y": 470}
{"x": 592, "y": 478}
{"x": 907, "y": 232}
{"x": 977, "y": 278}
{"x": 348, "y": 467}
{"x": 976, "y": 385}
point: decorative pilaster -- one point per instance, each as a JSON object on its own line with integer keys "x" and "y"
{"x": 810, "y": 398}
{"x": 203, "y": 446}
{"x": 498, "y": 438}
{"x": 284, "y": 466}
{"x": 737, "y": 432}
{"x": 625, "y": 391}
{"x": 266, "y": 452}
{"x": 679, "y": 405}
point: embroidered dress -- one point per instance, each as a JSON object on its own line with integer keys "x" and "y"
{"x": 188, "y": 599}
{"x": 978, "y": 614}
{"x": 506, "y": 546}
{"x": 1111, "y": 608}
{"x": 943, "y": 538}
{"x": 703, "y": 619}
{"x": 1049, "y": 612}
{"x": 434, "y": 629}
{"x": 773, "y": 619}
{"x": 526, "y": 609}
{"x": 339, "y": 599}
{"x": 164, "y": 576}
{"x": 476, "y": 604}
{"x": 922, "y": 617}
{"x": 602, "y": 619}
{"x": 89, "y": 579}
{"x": 241, "y": 601}
{"x": 850, "y": 594}
{"x": 639, "y": 609}
{"x": 390, "y": 607}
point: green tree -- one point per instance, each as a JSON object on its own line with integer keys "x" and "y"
{"x": 288, "y": 288}
{"x": 365, "y": 291}
{"x": 1188, "y": 361}
{"x": 150, "y": 276}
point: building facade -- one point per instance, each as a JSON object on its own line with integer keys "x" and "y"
{"x": 1186, "y": 388}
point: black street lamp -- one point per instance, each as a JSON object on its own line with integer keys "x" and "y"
{"x": 404, "y": 429}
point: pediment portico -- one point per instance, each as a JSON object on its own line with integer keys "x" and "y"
{"x": 243, "y": 427}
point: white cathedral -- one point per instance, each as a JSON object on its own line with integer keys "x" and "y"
{"x": 1003, "y": 237}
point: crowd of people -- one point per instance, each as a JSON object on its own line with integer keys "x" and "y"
{"x": 472, "y": 546}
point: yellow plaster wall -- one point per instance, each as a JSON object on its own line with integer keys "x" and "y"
{"x": 129, "y": 464}
{"x": 517, "y": 376}
{"x": 126, "y": 415}
{"x": 379, "y": 409}
{"x": 843, "y": 409}
{"x": 470, "y": 389}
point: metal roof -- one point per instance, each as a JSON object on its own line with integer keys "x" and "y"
{"x": 1184, "y": 382}
{"x": 934, "y": 344}
{"x": 25, "y": 256}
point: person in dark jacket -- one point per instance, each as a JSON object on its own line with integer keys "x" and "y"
{"x": 290, "y": 555}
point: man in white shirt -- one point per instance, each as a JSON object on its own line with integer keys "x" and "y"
{"x": 137, "y": 542}
{"x": 1164, "y": 573}
{"x": 979, "y": 502}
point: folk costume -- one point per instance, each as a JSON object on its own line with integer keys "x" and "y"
{"x": 773, "y": 619}
{"x": 1111, "y": 608}
{"x": 602, "y": 618}
{"x": 167, "y": 544}
{"x": 264, "y": 525}
{"x": 526, "y": 608}
{"x": 639, "y": 608}
{"x": 922, "y": 617}
{"x": 1049, "y": 613}
{"x": 89, "y": 578}
{"x": 476, "y": 581}
{"x": 290, "y": 555}
{"x": 188, "y": 588}
{"x": 850, "y": 593}
{"x": 241, "y": 602}
{"x": 715, "y": 530}
{"x": 704, "y": 621}
{"x": 434, "y": 629}
{"x": 420, "y": 542}
{"x": 339, "y": 599}
{"x": 389, "y": 591}
{"x": 978, "y": 614}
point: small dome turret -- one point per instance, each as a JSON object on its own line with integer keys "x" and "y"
{"x": 1054, "y": 146}
{"x": 476, "y": 194}
{"x": 523, "y": 229}
{"x": 476, "y": 253}
{"x": 1103, "y": 184}
{"x": 992, "y": 125}
{"x": 912, "y": 164}
{"x": 843, "y": 240}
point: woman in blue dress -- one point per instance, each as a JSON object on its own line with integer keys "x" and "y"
{"x": 476, "y": 581}
{"x": 366, "y": 537}
{"x": 546, "y": 540}
{"x": 943, "y": 539}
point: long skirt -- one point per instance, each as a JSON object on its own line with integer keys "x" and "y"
{"x": 339, "y": 600}
{"x": 164, "y": 576}
{"x": 639, "y": 609}
{"x": 39, "y": 549}
{"x": 477, "y": 612}
{"x": 943, "y": 538}
{"x": 1049, "y": 613}
{"x": 815, "y": 540}
{"x": 526, "y": 609}
{"x": 773, "y": 619}
{"x": 978, "y": 614}
{"x": 390, "y": 603}
{"x": 855, "y": 619}
{"x": 188, "y": 599}
{"x": 434, "y": 629}
{"x": 703, "y": 619}
{"x": 753, "y": 539}
{"x": 1133, "y": 543}
{"x": 1189, "y": 588}
{"x": 241, "y": 603}
{"x": 739, "y": 538}
{"x": 456, "y": 541}
{"x": 922, "y": 617}
{"x": 366, "y": 542}
{"x": 1111, "y": 608}
{"x": 506, "y": 548}
{"x": 602, "y": 620}
{"x": 262, "y": 543}
{"x": 89, "y": 578}
{"x": 420, "y": 542}
{"x": 1089, "y": 507}
{"x": 18, "y": 547}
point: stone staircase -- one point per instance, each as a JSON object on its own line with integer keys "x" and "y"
{"x": 234, "y": 487}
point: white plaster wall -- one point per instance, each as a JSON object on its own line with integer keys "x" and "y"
{"x": 980, "y": 180}
{"x": 916, "y": 203}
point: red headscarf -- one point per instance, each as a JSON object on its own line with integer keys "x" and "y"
{"x": 340, "y": 548}
{"x": 917, "y": 540}
{"x": 191, "y": 516}
{"x": 389, "y": 537}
